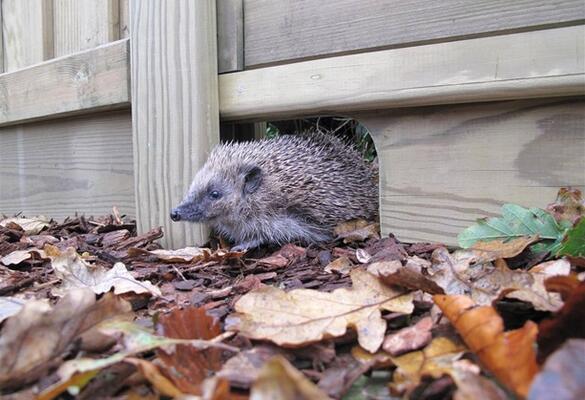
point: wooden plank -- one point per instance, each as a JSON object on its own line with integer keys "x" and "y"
{"x": 84, "y": 24}
{"x": 522, "y": 65}
{"x": 28, "y": 32}
{"x": 175, "y": 114}
{"x": 285, "y": 30}
{"x": 1, "y": 41}
{"x": 443, "y": 167}
{"x": 58, "y": 168}
{"x": 230, "y": 36}
{"x": 124, "y": 19}
{"x": 87, "y": 81}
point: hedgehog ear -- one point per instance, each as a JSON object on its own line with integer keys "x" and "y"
{"x": 252, "y": 179}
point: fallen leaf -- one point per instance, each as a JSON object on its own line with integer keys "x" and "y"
{"x": 18, "y": 256}
{"x": 30, "y": 226}
{"x": 516, "y": 221}
{"x": 341, "y": 265}
{"x": 563, "y": 374}
{"x": 75, "y": 272}
{"x": 155, "y": 377}
{"x": 187, "y": 367}
{"x": 569, "y": 205}
{"x": 502, "y": 248}
{"x": 10, "y": 306}
{"x": 510, "y": 356}
{"x": 242, "y": 369}
{"x": 409, "y": 339}
{"x": 379, "y": 359}
{"x": 394, "y": 273}
{"x": 135, "y": 339}
{"x": 357, "y": 231}
{"x": 278, "y": 379}
{"x": 187, "y": 254}
{"x": 303, "y": 316}
{"x": 485, "y": 282}
{"x": 568, "y": 323}
{"x": 434, "y": 360}
{"x": 40, "y": 333}
{"x": 471, "y": 386}
{"x": 340, "y": 375}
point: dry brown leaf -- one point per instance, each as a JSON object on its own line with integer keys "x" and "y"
{"x": 472, "y": 386}
{"x": 510, "y": 356}
{"x": 75, "y": 272}
{"x": 394, "y": 273}
{"x": 243, "y": 368}
{"x": 187, "y": 254}
{"x": 18, "y": 256}
{"x": 494, "y": 249}
{"x": 187, "y": 366}
{"x": 569, "y": 205}
{"x": 409, "y": 339}
{"x": 568, "y": 323}
{"x": 278, "y": 379}
{"x": 304, "y": 316}
{"x": 485, "y": 282}
{"x": 357, "y": 231}
{"x": 39, "y": 333}
{"x": 155, "y": 377}
{"x": 379, "y": 359}
{"x": 30, "y": 226}
{"x": 341, "y": 265}
{"x": 436, "y": 359}
{"x": 536, "y": 293}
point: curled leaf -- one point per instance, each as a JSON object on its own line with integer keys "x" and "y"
{"x": 510, "y": 356}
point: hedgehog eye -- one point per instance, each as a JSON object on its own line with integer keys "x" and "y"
{"x": 214, "y": 194}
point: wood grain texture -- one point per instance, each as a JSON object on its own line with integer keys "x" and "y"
{"x": 285, "y": 30}
{"x": 522, "y": 65}
{"x": 230, "y": 35}
{"x": 175, "y": 114}
{"x": 443, "y": 167}
{"x": 86, "y": 81}
{"x": 27, "y": 32}
{"x": 124, "y": 18}
{"x": 84, "y": 24}
{"x": 58, "y": 168}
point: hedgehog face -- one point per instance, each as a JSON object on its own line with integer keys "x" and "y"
{"x": 215, "y": 197}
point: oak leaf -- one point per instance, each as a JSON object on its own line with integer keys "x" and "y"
{"x": 278, "y": 379}
{"x": 75, "y": 272}
{"x": 30, "y": 226}
{"x": 510, "y": 356}
{"x": 304, "y": 316}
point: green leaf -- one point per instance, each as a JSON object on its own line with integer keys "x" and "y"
{"x": 574, "y": 245}
{"x": 516, "y": 221}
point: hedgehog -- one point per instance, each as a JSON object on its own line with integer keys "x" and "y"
{"x": 293, "y": 188}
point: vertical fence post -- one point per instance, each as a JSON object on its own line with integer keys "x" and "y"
{"x": 175, "y": 116}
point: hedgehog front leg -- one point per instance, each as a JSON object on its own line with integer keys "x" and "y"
{"x": 247, "y": 245}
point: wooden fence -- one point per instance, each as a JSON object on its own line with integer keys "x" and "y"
{"x": 470, "y": 104}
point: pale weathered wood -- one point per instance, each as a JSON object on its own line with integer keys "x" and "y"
{"x": 124, "y": 18}
{"x": 277, "y": 31}
{"x": 175, "y": 114}
{"x": 522, "y": 65}
{"x": 91, "y": 80}
{"x": 230, "y": 35}
{"x": 84, "y": 24}
{"x": 443, "y": 167}
{"x": 61, "y": 167}
{"x": 1, "y": 41}
{"x": 28, "y": 32}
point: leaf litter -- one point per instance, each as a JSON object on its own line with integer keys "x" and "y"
{"x": 91, "y": 308}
